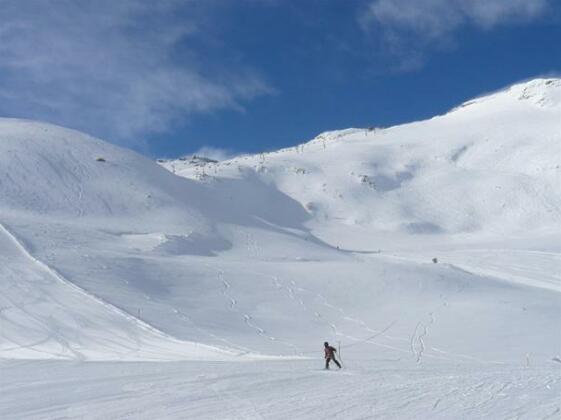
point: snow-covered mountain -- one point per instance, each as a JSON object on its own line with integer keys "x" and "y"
{"x": 489, "y": 167}
{"x": 88, "y": 206}
{"x": 431, "y": 251}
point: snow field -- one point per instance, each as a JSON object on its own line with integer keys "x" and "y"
{"x": 234, "y": 273}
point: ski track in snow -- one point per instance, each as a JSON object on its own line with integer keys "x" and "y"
{"x": 152, "y": 334}
{"x": 228, "y": 344}
{"x": 417, "y": 341}
{"x": 301, "y": 301}
{"x": 420, "y": 348}
{"x": 246, "y": 317}
{"x": 291, "y": 290}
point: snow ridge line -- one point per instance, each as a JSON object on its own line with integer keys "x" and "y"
{"x": 121, "y": 312}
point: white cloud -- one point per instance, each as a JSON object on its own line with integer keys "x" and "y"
{"x": 110, "y": 67}
{"x": 215, "y": 153}
{"x": 409, "y": 27}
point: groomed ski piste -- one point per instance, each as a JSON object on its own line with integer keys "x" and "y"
{"x": 429, "y": 254}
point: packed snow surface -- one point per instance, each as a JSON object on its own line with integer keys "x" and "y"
{"x": 429, "y": 254}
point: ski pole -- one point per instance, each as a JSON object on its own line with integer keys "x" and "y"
{"x": 339, "y": 351}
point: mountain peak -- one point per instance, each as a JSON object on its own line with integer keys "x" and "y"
{"x": 541, "y": 92}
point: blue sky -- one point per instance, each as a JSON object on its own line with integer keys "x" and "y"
{"x": 171, "y": 77}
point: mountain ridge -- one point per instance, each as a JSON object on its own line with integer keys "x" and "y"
{"x": 502, "y": 148}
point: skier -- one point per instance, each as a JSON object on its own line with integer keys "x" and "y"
{"x": 330, "y": 355}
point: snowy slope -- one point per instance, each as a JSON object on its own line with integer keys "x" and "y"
{"x": 56, "y": 177}
{"x": 491, "y": 167}
{"x": 478, "y": 187}
{"x": 286, "y": 390}
{"x": 54, "y": 171}
{"x": 91, "y": 235}
{"x": 267, "y": 256}
{"x": 45, "y": 316}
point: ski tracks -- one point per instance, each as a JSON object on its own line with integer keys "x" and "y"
{"x": 297, "y": 294}
{"x": 150, "y": 336}
{"x": 229, "y": 345}
{"x": 417, "y": 343}
{"x": 226, "y": 291}
{"x": 294, "y": 293}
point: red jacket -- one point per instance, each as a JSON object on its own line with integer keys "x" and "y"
{"x": 329, "y": 352}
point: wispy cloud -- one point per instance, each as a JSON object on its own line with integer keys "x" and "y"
{"x": 411, "y": 27}
{"x": 215, "y": 153}
{"x": 120, "y": 69}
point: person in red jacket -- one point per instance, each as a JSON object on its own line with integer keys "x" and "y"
{"x": 330, "y": 355}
